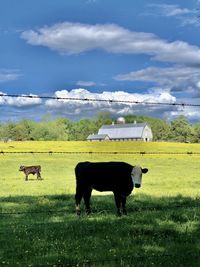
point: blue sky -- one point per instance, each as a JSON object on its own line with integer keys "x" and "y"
{"x": 122, "y": 50}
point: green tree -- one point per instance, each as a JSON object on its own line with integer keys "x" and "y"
{"x": 132, "y": 118}
{"x": 160, "y": 129}
{"x": 22, "y": 130}
{"x": 41, "y": 133}
{"x": 196, "y": 133}
{"x": 66, "y": 126}
{"x": 180, "y": 130}
{"x": 47, "y": 131}
{"x": 7, "y": 131}
{"x": 103, "y": 118}
{"x": 81, "y": 129}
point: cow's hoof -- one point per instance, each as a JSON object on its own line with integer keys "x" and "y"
{"x": 119, "y": 214}
{"x": 88, "y": 212}
{"x": 78, "y": 213}
{"x": 124, "y": 212}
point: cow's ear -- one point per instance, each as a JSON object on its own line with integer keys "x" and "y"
{"x": 145, "y": 170}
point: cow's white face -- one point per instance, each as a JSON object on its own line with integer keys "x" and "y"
{"x": 136, "y": 176}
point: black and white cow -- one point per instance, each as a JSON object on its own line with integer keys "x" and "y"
{"x": 118, "y": 177}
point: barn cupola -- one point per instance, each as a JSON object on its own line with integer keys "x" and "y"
{"x": 121, "y": 120}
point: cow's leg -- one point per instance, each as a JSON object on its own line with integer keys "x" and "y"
{"x": 78, "y": 197}
{"x": 39, "y": 176}
{"x": 26, "y": 177}
{"x": 118, "y": 202}
{"x": 86, "y": 196}
{"x": 123, "y": 200}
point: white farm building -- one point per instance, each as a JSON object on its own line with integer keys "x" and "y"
{"x": 123, "y": 132}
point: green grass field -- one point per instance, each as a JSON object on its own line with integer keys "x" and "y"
{"x": 162, "y": 227}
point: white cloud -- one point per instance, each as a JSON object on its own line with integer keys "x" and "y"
{"x": 170, "y": 10}
{"x": 19, "y": 101}
{"x": 87, "y": 108}
{"x": 190, "y": 113}
{"x": 85, "y": 83}
{"x": 9, "y": 75}
{"x": 177, "y": 78}
{"x": 91, "y": 1}
{"x": 76, "y": 109}
{"x": 184, "y": 15}
{"x": 74, "y": 38}
{"x": 198, "y": 84}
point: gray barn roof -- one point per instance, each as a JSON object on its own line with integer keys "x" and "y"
{"x": 123, "y": 131}
{"x": 97, "y": 137}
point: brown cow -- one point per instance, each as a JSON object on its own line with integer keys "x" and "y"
{"x": 31, "y": 170}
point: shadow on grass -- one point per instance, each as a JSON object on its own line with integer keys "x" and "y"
{"x": 44, "y": 231}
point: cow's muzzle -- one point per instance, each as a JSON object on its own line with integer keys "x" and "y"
{"x": 137, "y": 185}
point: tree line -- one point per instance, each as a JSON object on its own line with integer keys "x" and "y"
{"x": 178, "y": 130}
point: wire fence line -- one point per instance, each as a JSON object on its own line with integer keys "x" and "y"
{"x": 190, "y": 153}
{"x": 100, "y": 100}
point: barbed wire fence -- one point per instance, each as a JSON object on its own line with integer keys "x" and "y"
{"x": 189, "y": 153}
{"x": 183, "y": 104}
{"x": 119, "y": 261}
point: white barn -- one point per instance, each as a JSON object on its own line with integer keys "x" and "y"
{"x": 124, "y": 132}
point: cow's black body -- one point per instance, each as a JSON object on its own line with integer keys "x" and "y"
{"x": 31, "y": 170}
{"x": 103, "y": 176}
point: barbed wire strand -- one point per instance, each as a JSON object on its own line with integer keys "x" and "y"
{"x": 101, "y": 100}
{"x": 190, "y": 153}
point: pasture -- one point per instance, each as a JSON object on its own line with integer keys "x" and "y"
{"x": 38, "y": 225}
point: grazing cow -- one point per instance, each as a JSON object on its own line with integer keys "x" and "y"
{"x": 118, "y": 177}
{"x": 31, "y": 170}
